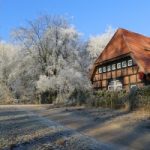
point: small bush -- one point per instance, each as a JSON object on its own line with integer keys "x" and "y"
{"x": 47, "y": 97}
{"x": 136, "y": 98}
{"x": 6, "y": 96}
{"x": 103, "y": 98}
{"x": 78, "y": 97}
{"x": 143, "y": 96}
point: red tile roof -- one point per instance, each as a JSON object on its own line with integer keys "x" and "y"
{"x": 127, "y": 42}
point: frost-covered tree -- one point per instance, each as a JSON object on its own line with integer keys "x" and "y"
{"x": 8, "y": 57}
{"x": 22, "y": 79}
{"x": 96, "y": 44}
{"x": 8, "y": 53}
{"x": 48, "y": 39}
{"x": 54, "y": 46}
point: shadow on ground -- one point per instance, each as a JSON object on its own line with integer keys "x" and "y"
{"x": 117, "y": 127}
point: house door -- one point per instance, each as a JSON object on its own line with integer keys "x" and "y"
{"x": 115, "y": 85}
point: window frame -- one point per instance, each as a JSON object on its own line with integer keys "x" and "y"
{"x": 100, "y": 70}
{"x": 105, "y": 69}
{"x": 119, "y": 63}
{"x": 109, "y": 68}
{"x": 130, "y": 61}
{"x": 113, "y": 67}
{"x": 124, "y": 65}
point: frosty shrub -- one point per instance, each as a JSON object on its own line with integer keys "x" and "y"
{"x": 138, "y": 98}
{"x": 109, "y": 99}
{"x": 5, "y": 95}
{"x": 143, "y": 98}
{"x": 134, "y": 99}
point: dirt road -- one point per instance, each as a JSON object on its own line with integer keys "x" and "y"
{"x": 43, "y": 127}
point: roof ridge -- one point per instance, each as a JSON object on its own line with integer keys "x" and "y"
{"x": 122, "y": 30}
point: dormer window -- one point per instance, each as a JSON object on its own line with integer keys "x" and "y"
{"x": 109, "y": 68}
{"x": 104, "y": 69}
{"x": 114, "y": 67}
{"x": 124, "y": 64}
{"x": 100, "y": 70}
{"x": 118, "y": 65}
{"x": 130, "y": 62}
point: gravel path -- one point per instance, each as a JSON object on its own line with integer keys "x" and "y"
{"x": 23, "y": 129}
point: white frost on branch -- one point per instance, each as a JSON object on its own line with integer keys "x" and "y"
{"x": 96, "y": 44}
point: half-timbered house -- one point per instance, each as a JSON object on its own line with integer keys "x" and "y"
{"x": 124, "y": 63}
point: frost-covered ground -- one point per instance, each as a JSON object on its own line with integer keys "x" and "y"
{"x": 43, "y": 127}
{"x": 22, "y": 129}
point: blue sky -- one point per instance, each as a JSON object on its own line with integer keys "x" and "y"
{"x": 90, "y": 17}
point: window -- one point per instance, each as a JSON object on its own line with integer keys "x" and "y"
{"x": 104, "y": 69}
{"x": 100, "y": 70}
{"x": 130, "y": 62}
{"x": 118, "y": 65}
{"x": 114, "y": 67}
{"x": 124, "y": 64}
{"x": 109, "y": 68}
